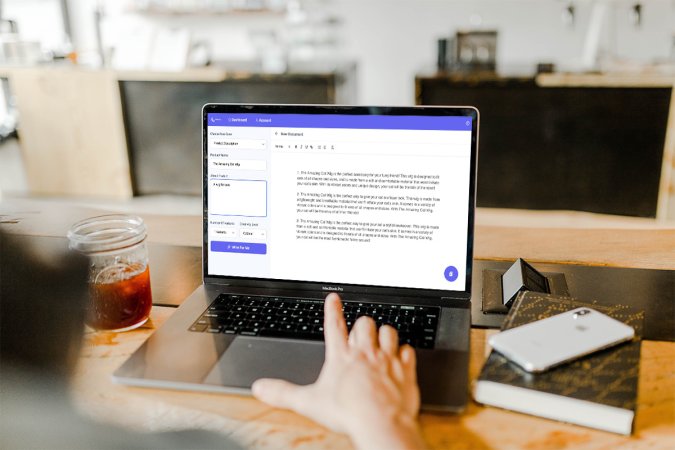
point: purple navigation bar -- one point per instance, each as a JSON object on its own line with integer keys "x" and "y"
{"x": 377, "y": 122}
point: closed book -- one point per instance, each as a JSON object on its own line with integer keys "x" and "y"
{"x": 597, "y": 391}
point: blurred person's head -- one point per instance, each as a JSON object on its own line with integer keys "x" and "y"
{"x": 42, "y": 299}
{"x": 43, "y": 293}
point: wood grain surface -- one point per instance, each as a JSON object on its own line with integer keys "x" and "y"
{"x": 261, "y": 427}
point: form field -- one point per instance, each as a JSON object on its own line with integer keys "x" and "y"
{"x": 239, "y": 164}
{"x": 238, "y": 197}
{"x": 236, "y": 144}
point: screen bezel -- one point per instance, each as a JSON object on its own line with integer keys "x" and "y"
{"x": 312, "y": 287}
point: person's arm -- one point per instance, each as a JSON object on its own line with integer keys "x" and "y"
{"x": 367, "y": 387}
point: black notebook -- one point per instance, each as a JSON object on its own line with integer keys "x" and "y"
{"x": 597, "y": 391}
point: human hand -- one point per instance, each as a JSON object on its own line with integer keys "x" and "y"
{"x": 367, "y": 387}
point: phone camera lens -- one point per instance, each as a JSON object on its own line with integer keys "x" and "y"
{"x": 581, "y": 313}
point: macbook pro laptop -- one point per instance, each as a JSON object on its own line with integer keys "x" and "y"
{"x": 374, "y": 203}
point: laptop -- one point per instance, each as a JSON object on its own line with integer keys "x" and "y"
{"x": 374, "y": 203}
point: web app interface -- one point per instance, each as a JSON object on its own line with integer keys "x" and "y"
{"x": 360, "y": 199}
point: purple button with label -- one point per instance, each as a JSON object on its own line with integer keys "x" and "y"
{"x": 239, "y": 247}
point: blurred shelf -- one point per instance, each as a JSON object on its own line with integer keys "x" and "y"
{"x": 179, "y": 12}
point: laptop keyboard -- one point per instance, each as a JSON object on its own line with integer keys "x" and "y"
{"x": 300, "y": 318}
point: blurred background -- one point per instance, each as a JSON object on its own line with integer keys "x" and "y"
{"x": 101, "y": 99}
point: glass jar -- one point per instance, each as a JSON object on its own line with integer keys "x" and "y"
{"x": 119, "y": 275}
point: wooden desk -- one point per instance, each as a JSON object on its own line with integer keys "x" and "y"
{"x": 259, "y": 426}
{"x": 499, "y": 234}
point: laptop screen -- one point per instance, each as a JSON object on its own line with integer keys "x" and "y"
{"x": 340, "y": 196}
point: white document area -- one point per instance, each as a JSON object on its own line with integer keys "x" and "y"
{"x": 394, "y": 220}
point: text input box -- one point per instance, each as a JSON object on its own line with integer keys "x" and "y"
{"x": 240, "y": 164}
{"x": 244, "y": 144}
{"x": 238, "y": 198}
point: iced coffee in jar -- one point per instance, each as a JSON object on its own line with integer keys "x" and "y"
{"x": 119, "y": 274}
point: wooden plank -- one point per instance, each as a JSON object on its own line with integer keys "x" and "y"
{"x": 54, "y": 218}
{"x": 530, "y": 218}
{"x": 605, "y": 80}
{"x": 648, "y": 249}
{"x": 71, "y": 131}
{"x": 209, "y": 74}
{"x": 216, "y": 75}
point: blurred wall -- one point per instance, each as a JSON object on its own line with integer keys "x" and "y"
{"x": 392, "y": 40}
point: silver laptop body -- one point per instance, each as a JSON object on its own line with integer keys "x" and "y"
{"x": 375, "y": 203}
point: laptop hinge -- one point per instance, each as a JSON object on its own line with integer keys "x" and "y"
{"x": 456, "y": 300}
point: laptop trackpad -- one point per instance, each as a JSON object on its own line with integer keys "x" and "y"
{"x": 250, "y": 358}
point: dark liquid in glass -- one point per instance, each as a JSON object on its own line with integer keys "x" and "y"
{"x": 118, "y": 301}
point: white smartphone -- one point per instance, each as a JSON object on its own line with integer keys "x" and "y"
{"x": 546, "y": 343}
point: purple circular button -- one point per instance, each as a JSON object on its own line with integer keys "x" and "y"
{"x": 451, "y": 273}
